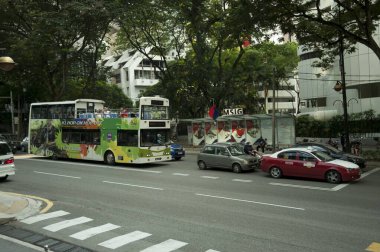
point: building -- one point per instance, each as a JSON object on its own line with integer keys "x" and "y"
{"x": 286, "y": 98}
{"x": 133, "y": 72}
{"x": 362, "y": 74}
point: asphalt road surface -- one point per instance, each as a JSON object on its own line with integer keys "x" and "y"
{"x": 173, "y": 206}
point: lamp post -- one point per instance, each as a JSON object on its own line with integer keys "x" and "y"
{"x": 7, "y": 64}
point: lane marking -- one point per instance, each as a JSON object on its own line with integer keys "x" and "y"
{"x": 369, "y": 172}
{"x": 92, "y": 165}
{"x": 334, "y": 189}
{"x": 119, "y": 241}
{"x": 250, "y": 201}
{"x": 166, "y": 246}
{"x": 146, "y": 187}
{"x": 87, "y": 233}
{"x": 46, "y": 216}
{"x": 300, "y": 186}
{"x": 54, "y": 174}
{"x": 242, "y": 180}
{"x": 374, "y": 247}
{"x": 180, "y": 174}
{"x": 209, "y": 177}
{"x": 25, "y": 244}
{"x": 212, "y": 250}
{"x": 49, "y": 204}
{"x": 67, "y": 223}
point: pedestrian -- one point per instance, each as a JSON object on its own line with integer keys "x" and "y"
{"x": 248, "y": 148}
{"x": 260, "y": 144}
{"x": 342, "y": 141}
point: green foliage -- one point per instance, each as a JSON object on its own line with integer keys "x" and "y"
{"x": 358, "y": 123}
{"x": 53, "y": 43}
{"x": 111, "y": 94}
{"x": 319, "y": 26}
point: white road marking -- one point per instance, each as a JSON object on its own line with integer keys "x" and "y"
{"x": 242, "y": 180}
{"x": 209, "y": 177}
{"x": 250, "y": 201}
{"x": 369, "y": 172}
{"x": 181, "y": 174}
{"x": 85, "y": 234}
{"x": 67, "y": 223}
{"x": 303, "y": 187}
{"x": 166, "y": 246}
{"x": 92, "y": 165}
{"x": 54, "y": 174}
{"x": 42, "y": 217}
{"x": 211, "y": 250}
{"x": 334, "y": 189}
{"x": 146, "y": 187}
{"x": 119, "y": 241}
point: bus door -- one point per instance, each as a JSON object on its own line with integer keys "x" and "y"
{"x": 90, "y": 107}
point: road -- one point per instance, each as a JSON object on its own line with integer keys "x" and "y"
{"x": 173, "y": 206}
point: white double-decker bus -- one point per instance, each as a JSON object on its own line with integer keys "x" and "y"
{"x": 86, "y": 129}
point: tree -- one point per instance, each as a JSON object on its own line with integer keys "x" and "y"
{"x": 320, "y": 27}
{"x": 254, "y": 70}
{"x": 50, "y": 38}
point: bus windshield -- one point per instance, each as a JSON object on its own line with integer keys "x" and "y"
{"x": 154, "y": 137}
{"x": 151, "y": 112}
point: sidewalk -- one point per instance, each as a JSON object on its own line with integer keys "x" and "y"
{"x": 15, "y": 207}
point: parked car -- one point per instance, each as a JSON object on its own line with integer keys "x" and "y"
{"x": 11, "y": 141}
{"x": 309, "y": 163}
{"x": 335, "y": 153}
{"x": 226, "y": 155}
{"x": 24, "y": 144}
{"x": 177, "y": 151}
{"x": 7, "y": 166}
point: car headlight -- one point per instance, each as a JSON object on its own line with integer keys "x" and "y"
{"x": 245, "y": 161}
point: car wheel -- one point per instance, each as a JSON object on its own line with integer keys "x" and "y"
{"x": 177, "y": 158}
{"x": 109, "y": 158}
{"x": 202, "y": 165}
{"x": 333, "y": 177}
{"x": 236, "y": 168}
{"x": 275, "y": 172}
{"x": 4, "y": 178}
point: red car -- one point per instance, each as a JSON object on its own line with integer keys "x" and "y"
{"x": 309, "y": 163}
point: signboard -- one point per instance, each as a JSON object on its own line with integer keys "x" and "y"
{"x": 233, "y": 111}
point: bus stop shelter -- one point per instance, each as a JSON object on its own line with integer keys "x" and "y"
{"x": 241, "y": 129}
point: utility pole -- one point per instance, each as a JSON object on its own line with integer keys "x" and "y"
{"x": 346, "y": 133}
{"x": 273, "y": 115}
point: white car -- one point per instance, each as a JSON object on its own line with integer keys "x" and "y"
{"x": 7, "y": 164}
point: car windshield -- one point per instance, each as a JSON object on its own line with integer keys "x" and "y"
{"x": 4, "y": 149}
{"x": 322, "y": 156}
{"x": 332, "y": 149}
{"x": 236, "y": 150}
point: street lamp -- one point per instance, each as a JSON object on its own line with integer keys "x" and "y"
{"x": 7, "y": 64}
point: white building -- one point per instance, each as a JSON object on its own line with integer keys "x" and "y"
{"x": 362, "y": 74}
{"x": 286, "y": 98}
{"x": 133, "y": 72}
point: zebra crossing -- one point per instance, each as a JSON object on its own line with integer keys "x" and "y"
{"x": 119, "y": 241}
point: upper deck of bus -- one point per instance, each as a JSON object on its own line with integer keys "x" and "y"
{"x": 152, "y": 108}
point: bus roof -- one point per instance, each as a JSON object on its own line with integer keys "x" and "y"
{"x": 68, "y": 102}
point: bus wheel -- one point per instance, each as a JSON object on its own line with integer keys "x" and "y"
{"x": 109, "y": 158}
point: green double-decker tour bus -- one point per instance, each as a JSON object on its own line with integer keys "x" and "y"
{"x": 86, "y": 129}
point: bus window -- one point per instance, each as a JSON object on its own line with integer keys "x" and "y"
{"x": 36, "y": 112}
{"x": 150, "y": 137}
{"x": 127, "y": 138}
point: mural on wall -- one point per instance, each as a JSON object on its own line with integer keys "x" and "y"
{"x": 198, "y": 133}
{"x": 224, "y": 134}
{"x": 238, "y": 131}
{"x": 253, "y": 130}
{"x": 210, "y": 132}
